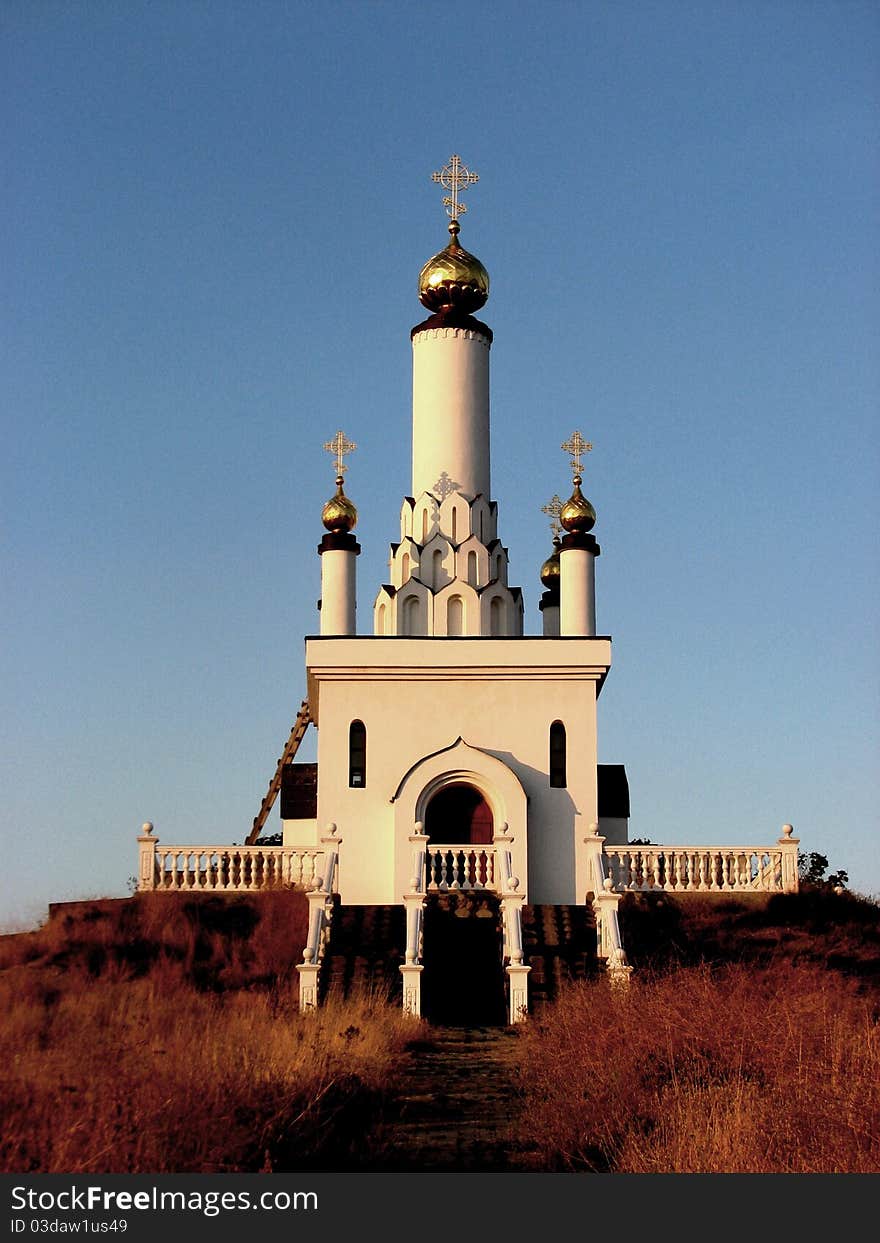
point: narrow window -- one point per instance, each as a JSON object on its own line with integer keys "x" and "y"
{"x": 455, "y": 524}
{"x": 557, "y": 754}
{"x": 357, "y": 754}
{"x": 496, "y": 617}
{"x": 381, "y": 623}
{"x": 404, "y": 568}
{"x": 424, "y": 526}
{"x": 437, "y": 571}
{"x": 472, "y": 569}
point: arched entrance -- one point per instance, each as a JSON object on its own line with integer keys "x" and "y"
{"x": 463, "y": 981}
{"x": 458, "y": 815}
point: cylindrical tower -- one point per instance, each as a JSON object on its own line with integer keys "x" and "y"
{"x": 338, "y": 550}
{"x": 549, "y": 602}
{"x": 577, "y": 566}
{"x": 451, "y": 375}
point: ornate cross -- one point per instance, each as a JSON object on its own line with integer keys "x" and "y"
{"x": 552, "y": 509}
{"x": 576, "y": 446}
{"x": 457, "y": 178}
{"x": 340, "y": 445}
{"x": 444, "y": 486}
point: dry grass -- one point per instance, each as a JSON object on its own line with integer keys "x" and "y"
{"x": 165, "y": 1038}
{"x": 734, "y": 1070}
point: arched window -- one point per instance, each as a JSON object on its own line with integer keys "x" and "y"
{"x": 437, "y": 569}
{"x": 557, "y": 754}
{"x": 404, "y": 568}
{"x": 357, "y": 754}
{"x": 381, "y": 621}
{"x": 472, "y": 569}
{"x": 424, "y": 526}
{"x": 455, "y": 524}
{"x": 497, "y": 627}
{"x": 454, "y": 615}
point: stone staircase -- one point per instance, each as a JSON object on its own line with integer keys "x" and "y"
{"x": 559, "y": 944}
{"x": 365, "y": 951}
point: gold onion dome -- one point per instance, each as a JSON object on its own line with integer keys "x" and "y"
{"x": 550, "y": 568}
{"x": 577, "y": 514}
{"x": 339, "y": 514}
{"x": 454, "y": 278}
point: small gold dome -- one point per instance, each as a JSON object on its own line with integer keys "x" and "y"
{"x": 577, "y": 514}
{"x": 339, "y": 514}
{"x": 550, "y": 568}
{"x": 453, "y": 278}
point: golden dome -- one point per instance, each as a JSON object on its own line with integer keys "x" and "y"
{"x": 550, "y": 568}
{"x": 339, "y": 514}
{"x": 453, "y": 278}
{"x": 577, "y": 514}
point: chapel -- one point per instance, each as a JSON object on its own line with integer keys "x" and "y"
{"x": 457, "y": 813}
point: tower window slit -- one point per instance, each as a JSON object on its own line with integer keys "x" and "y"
{"x": 557, "y": 754}
{"x": 357, "y": 754}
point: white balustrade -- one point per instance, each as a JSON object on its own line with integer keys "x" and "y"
{"x": 225, "y": 869}
{"x": 460, "y": 868}
{"x": 234, "y": 869}
{"x": 706, "y": 869}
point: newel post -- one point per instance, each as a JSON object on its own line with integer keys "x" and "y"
{"x": 789, "y": 847}
{"x": 414, "y": 903}
{"x": 512, "y": 902}
{"x": 320, "y": 899}
{"x": 146, "y": 858}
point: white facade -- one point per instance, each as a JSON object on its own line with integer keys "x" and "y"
{"x": 457, "y": 711}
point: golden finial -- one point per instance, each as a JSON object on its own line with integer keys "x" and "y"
{"x": 550, "y": 568}
{"x": 339, "y": 515}
{"x": 576, "y": 446}
{"x": 457, "y": 178}
{"x": 577, "y": 514}
{"x": 340, "y": 446}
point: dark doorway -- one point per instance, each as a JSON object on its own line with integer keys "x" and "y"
{"x": 463, "y": 980}
{"x": 458, "y": 815}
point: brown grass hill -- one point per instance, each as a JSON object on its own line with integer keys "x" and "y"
{"x": 161, "y": 1034}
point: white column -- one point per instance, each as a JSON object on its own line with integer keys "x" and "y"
{"x": 338, "y": 585}
{"x": 550, "y": 615}
{"x": 451, "y": 410}
{"x": 577, "y": 590}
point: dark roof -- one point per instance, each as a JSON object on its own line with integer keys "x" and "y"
{"x": 299, "y": 791}
{"x": 613, "y": 790}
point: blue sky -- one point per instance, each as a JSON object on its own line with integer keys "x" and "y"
{"x": 215, "y": 217}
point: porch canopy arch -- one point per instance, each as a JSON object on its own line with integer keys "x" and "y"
{"x": 460, "y": 764}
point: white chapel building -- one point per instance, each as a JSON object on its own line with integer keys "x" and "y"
{"x": 456, "y": 754}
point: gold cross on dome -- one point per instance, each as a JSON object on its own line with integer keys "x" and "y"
{"x": 553, "y": 509}
{"x": 340, "y": 445}
{"x": 457, "y": 178}
{"x": 576, "y": 446}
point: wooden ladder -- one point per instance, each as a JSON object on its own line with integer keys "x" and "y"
{"x": 300, "y": 725}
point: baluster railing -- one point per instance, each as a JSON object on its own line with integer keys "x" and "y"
{"x": 701, "y": 869}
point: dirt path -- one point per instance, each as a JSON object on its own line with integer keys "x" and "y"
{"x": 457, "y": 1098}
